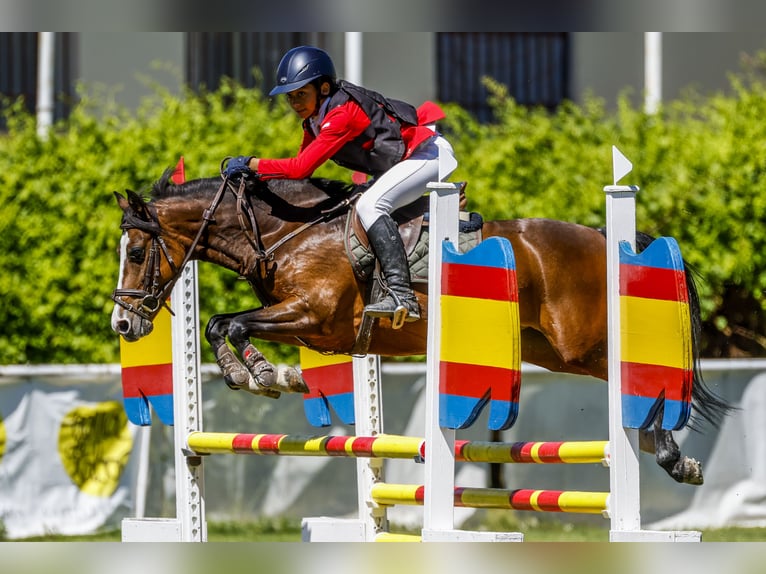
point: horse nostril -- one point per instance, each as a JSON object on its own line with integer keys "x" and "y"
{"x": 122, "y": 326}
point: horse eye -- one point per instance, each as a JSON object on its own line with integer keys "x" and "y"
{"x": 136, "y": 255}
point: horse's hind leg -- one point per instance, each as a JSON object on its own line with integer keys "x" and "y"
{"x": 668, "y": 455}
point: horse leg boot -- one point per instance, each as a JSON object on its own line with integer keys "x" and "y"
{"x": 399, "y": 302}
{"x": 236, "y": 376}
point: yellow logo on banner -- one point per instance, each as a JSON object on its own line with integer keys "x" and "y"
{"x": 94, "y": 446}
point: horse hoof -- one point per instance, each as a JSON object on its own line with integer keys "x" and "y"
{"x": 692, "y": 472}
{"x": 290, "y": 380}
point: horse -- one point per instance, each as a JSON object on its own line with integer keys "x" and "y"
{"x": 287, "y": 238}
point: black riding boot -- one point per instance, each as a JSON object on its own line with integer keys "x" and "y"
{"x": 400, "y": 302}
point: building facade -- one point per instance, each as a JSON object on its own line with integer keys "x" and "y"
{"x": 538, "y": 68}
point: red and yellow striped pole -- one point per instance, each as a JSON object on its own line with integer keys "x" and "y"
{"x": 396, "y": 446}
{"x": 568, "y": 452}
{"x": 521, "y": 499}
{"x": 382, "y": 446}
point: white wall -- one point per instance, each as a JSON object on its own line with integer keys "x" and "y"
{"x": 118, "y": 59}
{"x": 607, "y": 62}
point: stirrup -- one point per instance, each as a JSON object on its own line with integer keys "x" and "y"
{"x": 398, "y": 312}
{"x": 399, "y": 316}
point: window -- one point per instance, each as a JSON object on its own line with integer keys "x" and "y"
{"x": 532, "y": 65}
{"x": 18, "y": 70}
{"x": 211, "y": 55}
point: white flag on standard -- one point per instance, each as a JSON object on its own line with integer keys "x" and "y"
{"x": 621, "y": 166}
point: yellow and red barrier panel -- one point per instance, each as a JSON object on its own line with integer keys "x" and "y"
{"x": 480, "y": 336}
{"x": 330, "y": 379}
{"x": 147, "y": 374}
{"x": 656, "y": 341}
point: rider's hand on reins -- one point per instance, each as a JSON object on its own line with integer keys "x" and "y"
{"x": 236, "y": 167}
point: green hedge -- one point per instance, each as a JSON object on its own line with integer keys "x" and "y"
{"x": 700, "y": 164}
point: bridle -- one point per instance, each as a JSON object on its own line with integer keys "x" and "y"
{"x": 154, "y": 297}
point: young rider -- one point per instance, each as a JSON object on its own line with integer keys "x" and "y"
{"x": 364, "y": 131}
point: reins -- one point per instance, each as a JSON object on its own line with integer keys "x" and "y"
{"x": 156, "y": 297}
{"x": 324, "y": 215}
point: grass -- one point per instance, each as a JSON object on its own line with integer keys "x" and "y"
{"x": 534, "y": 531}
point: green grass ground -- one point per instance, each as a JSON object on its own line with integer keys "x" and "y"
{"x": 287, "y": 531}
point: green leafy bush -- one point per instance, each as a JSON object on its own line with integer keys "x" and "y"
{"x": 700, "y": 164}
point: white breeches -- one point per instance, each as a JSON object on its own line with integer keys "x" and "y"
{"x": 405, "y": 182}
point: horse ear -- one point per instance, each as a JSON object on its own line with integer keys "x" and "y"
{"x": 121, "y": 201}
{"x": 138, "y": 205}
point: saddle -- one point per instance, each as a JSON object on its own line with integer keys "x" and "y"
{"x": 412, "y": 220}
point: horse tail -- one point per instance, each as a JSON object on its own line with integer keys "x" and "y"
{"x": 706, "y": 405}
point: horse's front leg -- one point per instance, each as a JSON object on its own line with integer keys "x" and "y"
{"x": 278, "y": 322}
{"x": 235, "y": 374}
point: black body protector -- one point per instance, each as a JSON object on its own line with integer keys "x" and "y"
{"x": 386, "y": 117}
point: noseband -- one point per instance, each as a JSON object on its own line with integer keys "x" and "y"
{"x": 151, "y": 300}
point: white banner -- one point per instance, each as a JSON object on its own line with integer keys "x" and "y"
{"x": 64, "y": 449}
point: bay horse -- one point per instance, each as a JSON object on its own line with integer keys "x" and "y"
{"x": 287, "y": 239}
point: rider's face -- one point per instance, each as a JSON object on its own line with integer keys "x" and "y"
{"x": 303, "y": 101}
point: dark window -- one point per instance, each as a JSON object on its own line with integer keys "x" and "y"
{"x": 251, "y": 58}
{"x": 532, "y": 65}
{"x": 18, "y": 70}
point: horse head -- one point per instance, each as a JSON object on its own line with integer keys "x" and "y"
{"x": 147, "y": 269}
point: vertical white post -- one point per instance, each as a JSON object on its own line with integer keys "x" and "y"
{"x": 372, "y": 518}
{"x": 187, "y": 404}
{"x": 45, "y": 78}
{"x": 189, "y": 524}
{"x": 652, "y": 71}
{"x": 624, "y": 500}
{"x": 353, "y": 55}
{"x": 439, "y": 503}
{"x": 438, "y": 512}
{"x": 624, "y": 505}
{"x": 368, "y": 414}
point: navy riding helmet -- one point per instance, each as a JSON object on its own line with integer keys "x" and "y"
{"x": 300, "y": 66}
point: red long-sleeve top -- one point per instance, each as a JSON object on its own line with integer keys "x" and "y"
{"x": 339, "y": 127}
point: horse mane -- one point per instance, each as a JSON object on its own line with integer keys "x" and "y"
{"x": 164, "y": 187}
{"x": 296, "y": 192}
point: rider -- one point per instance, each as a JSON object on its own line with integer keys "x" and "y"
{"x": 362, "y": 130}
